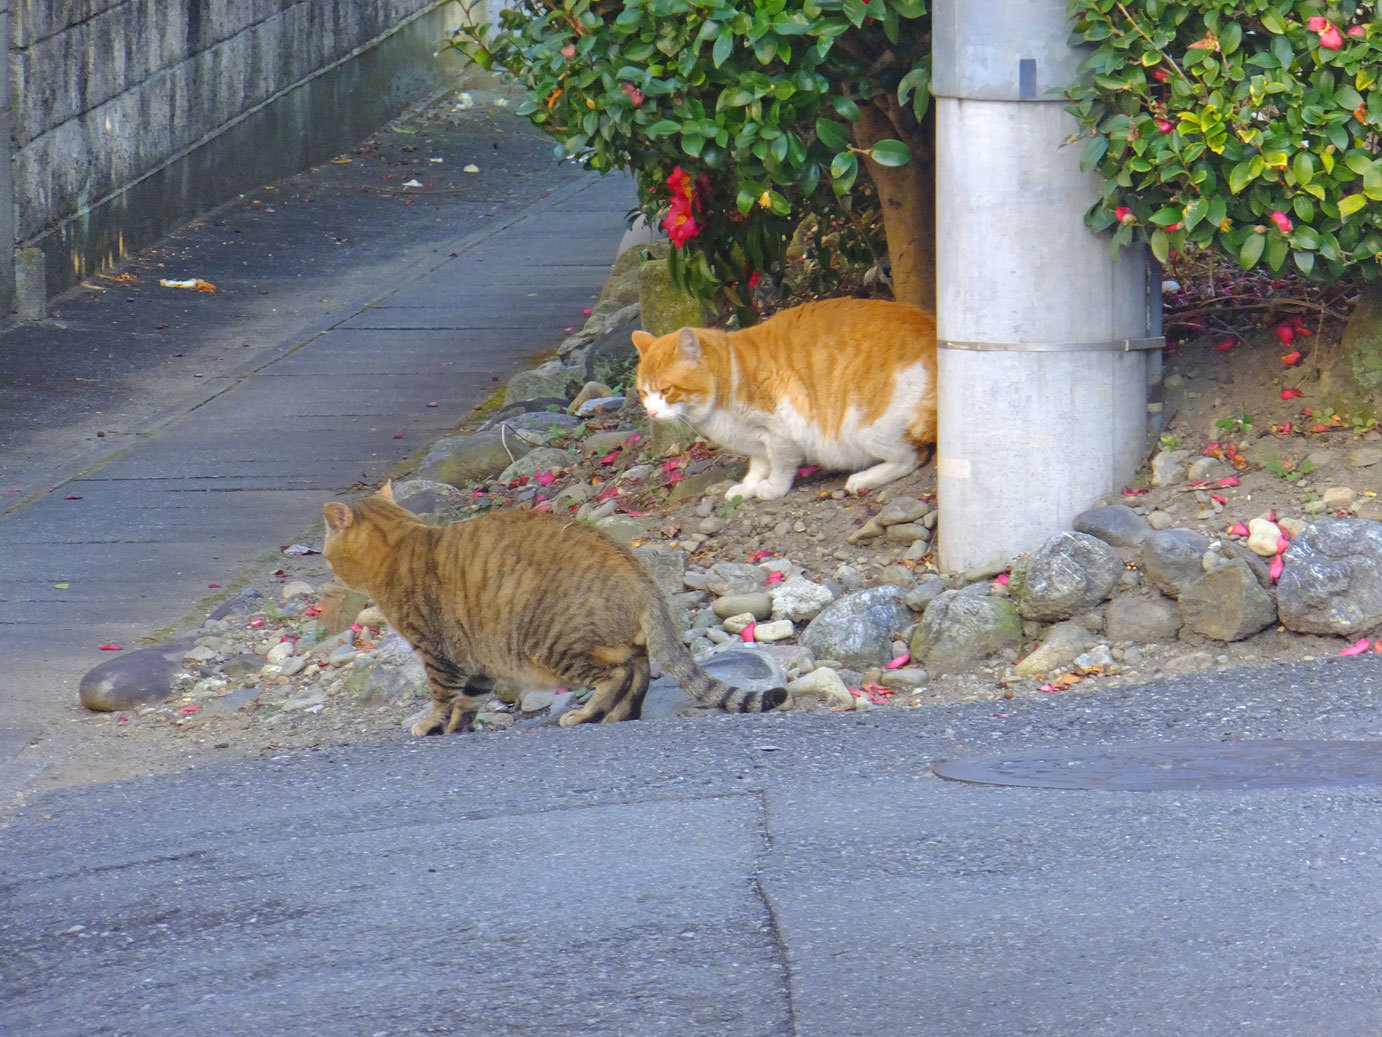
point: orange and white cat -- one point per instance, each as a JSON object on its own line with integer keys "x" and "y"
{"x": 848, "y": 384}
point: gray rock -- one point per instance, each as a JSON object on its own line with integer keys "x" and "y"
{"x": 822, "y": 686}
{"x": 623, "y": 528}
{"x": 663, "y": 306}
{"x": 304, "y": 700}
{"x": 1228, "y": 603}
{"x": 1115, "y": 524}
{"x": 906, "y": 533}
{"x": 553, "y": 379}
{"x": 543, "y": 459}
{"x": 1364, "y": 456}
{"x": 904, "y": 678}
{"x": 137, "y": 678}
{"x": 545, "y": 424}
{"x": 1332, "y": 582}
{"x": 243, "y": 603}
{"x": 464, "y": 460}
{"x": 959, "y": 630}
{"x": 537, "y": 700}
{"x": 1190, "y": 662}
{"x": 799, "y": 599}
{"x": 777, "y": 630}
{"x": 758, "y": 605}
{"x": 857, "y": 629}
{"x": 898, "y": 512}
{"x": 394, "y": 672}
{"x": 1067, "y": 575}
{"x": 928, "y": 589}
{"x": 1168, "y": 467}
{"x": 1160, "y": 520}
{"x": 1058, "y": 649}
{"x": 666, "y": 565}
{"x": 600, "y": 405}
{"x": 1142, "y": 616}
{"x": 426, "y": 496}
{"x": 1203, "y": 469}
{"x": 1172, "y": 559}
{"x": 734, "y": 578}
{"x": 239, "y": 667}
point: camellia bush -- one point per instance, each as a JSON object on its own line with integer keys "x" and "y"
{"x": 1246, "y": 126}
{"x": 738, "y": 121}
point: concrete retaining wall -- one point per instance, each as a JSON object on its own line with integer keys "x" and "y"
{"x": 130, "y": 116}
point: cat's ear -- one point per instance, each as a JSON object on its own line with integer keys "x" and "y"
{"x": 385, "y": 491}
{"x": 641, "y": 341}
{"x": 688, "y": 344}
{"x": 338, "y": 516}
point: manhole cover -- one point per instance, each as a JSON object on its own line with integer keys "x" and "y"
{"x": 1184, "y": 765}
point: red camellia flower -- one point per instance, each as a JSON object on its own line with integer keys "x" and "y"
{"x": 1164, "y": 125}
{"x": 753, "y": 279}
{"x": 680, "y": 183}
{"x": 634, "y": 94}
{"x": 1160, "y": 75}
{"x": 679, "y": 224}
{"x": 1317, "y": 23}
{"x": 1282, "y": 221}
{"x": 1124, "y": 214}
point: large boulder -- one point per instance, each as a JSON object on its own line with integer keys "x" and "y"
{"x": 1332, "y": 580}
{"x": 1069, "y": 574}
{"x": 1227, "y": 603}
{"x": 1172, "y": 559}
{"x": 962, "y": 628}
{"x": 136, "y": 678}
{"x": 463, "y": 461}
{"x": 857, "y": 630}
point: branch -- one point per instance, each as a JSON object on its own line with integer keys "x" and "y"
{"x": 1165, "y": 57}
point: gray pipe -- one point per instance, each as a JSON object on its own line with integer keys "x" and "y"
{"x": 1046, "y": 342}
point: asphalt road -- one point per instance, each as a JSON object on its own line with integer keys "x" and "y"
{"x": 789, "y": 874}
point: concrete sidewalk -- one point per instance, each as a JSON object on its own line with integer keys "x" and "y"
{"x": 157, "y": 440}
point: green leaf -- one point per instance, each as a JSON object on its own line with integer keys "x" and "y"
{"x": 1092, "y": 152}
{"x": 1160, "y": 245}
{"x": 847, "y": 108}
{"x": 1282, "y": 50}
{"x": 1166, "y": 215}
{"x": 1240, "y": 175}
{"x": 662, "y": 128}
{"x": 1195, "y": 212}
{"x": 843, "y": 170}
{"x": 1273, "y": 22}
{"x": 724, "y": 46}
{"x": 1251, "y": 251}
{"x": 833, "y": 135}
{"x": 1305, "y": 261}
{"x": 1351, "y": 203}
{"x": 890, "y": 153}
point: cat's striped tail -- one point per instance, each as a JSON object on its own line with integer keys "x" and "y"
{"x": 664, "y": 645}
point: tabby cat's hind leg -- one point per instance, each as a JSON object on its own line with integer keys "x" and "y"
{"x": 617, "y": 695}
{"x": 456, "y": 696}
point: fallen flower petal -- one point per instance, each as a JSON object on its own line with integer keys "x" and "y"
{"x": 1357, "y": 648}
{"x": 610, "y": 457}
{"x": 1128, "y": 491}
{"x": 758, "y": 556}
{"x": 747, "y": 632}
{"x": 637, "y": 437}
{"x": 399, "y": 435}
{"x": 546, "y": 478}
{"x": 110, "y": 648}
{"x": 803, "y": 472}
{"x": 1001, "y": 579}
{"x": 1239, "y": 530}
{"x": 1289, "y": 393}
{"x": 1275, "y": 569}
{"x": 1291, "y": 358}
{"x": 1217, "y": 499}
{"x": 1225, "y": 344}
{"x": 1229, "y": 480}
{"x": 256, "y": 622}
{"x": 1285, "y": 332}
{"x": 901, "y": 661}
{"x": 1282, "y": 542}
{"x": 71, "y": 497}
{"x": 189, "y": 709}
{"x": 774, "y": 577}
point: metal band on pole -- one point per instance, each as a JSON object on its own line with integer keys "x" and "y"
{"x": 1122, "y": 345}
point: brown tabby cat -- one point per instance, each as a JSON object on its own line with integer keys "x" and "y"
{"x": 542, "y": 600}
{"x": 844, "y": 383}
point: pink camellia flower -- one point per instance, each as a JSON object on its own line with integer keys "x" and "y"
{"x": 1124, "y": 214}
{"x": 634, "y": 94}
{"x": 1331, "y": 39}
{"x": 1317, "y": 24}
{"x": 569, "y": 51}
{"x": 1357, "y": 30}
{"x": 1164, "y": 126}
{"x": 1282, "y": 221}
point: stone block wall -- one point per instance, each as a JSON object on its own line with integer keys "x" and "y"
{"x": 130, "y": 116}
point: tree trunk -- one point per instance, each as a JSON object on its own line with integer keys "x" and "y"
{"x": 907, "y": 197}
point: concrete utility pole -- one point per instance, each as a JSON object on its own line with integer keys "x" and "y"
{"x": 1046, "y": 343}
